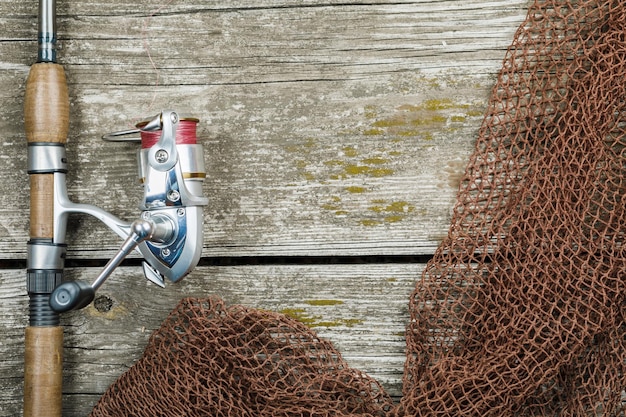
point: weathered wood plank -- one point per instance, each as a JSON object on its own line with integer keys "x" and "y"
{"x": 363, "y": 311}
{"x": 330, "y": 127}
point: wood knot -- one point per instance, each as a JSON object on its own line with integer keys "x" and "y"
{"x": 103, "y": 304}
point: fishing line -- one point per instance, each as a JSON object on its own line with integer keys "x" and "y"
{"x": 146, "y": 46}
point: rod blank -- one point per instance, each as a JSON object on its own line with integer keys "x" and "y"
{"x": 47, "y": 36}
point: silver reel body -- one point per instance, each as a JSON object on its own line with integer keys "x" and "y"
{"x": 169, "y": 231}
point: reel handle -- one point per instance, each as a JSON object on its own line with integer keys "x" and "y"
{"x": 74, "y": 295}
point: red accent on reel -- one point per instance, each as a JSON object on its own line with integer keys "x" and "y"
{"x": 185, "y": 134}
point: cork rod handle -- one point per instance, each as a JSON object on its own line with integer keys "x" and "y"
{"x": 43, "y": 371}
{"x": 46, "y": 120}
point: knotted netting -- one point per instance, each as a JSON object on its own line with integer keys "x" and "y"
{"x": 521, "y": 310}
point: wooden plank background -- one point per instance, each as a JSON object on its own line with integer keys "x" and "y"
{"x": 332, "y": 130}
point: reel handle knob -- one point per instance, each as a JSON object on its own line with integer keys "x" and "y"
{"x": 72, "y": 295}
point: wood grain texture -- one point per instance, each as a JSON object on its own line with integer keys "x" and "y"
{"x": 363, "y": 311}
{"x": 329, "y": 127}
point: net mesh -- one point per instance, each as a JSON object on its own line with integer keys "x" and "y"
{"x": 207, "y": 359}
{"x": 521, "y": 310}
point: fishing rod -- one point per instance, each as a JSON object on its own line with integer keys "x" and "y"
{"x": 167, "y": 233}
{"x": 46, "y": 122}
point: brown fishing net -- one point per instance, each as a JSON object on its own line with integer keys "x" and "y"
{"x": 211, "y": 360}
{"x": 521, "y": 310}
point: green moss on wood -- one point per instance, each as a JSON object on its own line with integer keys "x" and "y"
{"x": 350, "y": 152}
{"x": 375, "y": 161}
{"x": 300, "y": 314}
{"x": 369, "y": 222}
{"x": 323, "y": 302}
{"x": 367, "y": 171}
{"x": 393, "y": 219}
{"x": 373, "y": 132}
{"x": 394, "y": 207}
{"x": 421, "y": 120}
{"x": 356, "y": 190}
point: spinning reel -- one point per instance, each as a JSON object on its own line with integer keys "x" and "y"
{"x": 168, "y": 233}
